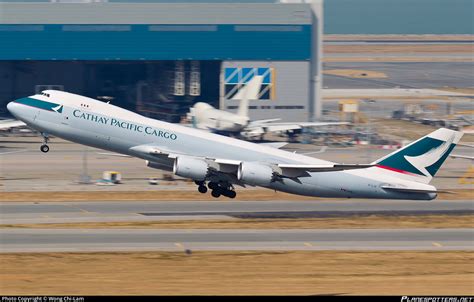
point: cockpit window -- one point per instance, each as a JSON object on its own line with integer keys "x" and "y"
{"x": 45, "y": 94}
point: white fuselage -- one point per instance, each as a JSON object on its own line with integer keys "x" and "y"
{"x": 90, "y": 122}
{"x": 207, "y": 117}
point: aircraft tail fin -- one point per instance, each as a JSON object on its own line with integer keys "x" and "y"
{"x": 249, "y": 92}
{"x": 421, "y": 159}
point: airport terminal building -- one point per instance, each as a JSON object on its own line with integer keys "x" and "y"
{"x": 159, "y": 58}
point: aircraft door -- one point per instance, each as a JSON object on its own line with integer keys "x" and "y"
{"x": 104, "y": 139}
{"x": 37, "y": 115}
{"x": 65, "y": 116}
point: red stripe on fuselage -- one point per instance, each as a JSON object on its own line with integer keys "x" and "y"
{"x": 395, "y": 170}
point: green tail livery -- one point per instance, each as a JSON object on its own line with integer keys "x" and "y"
{"x": 423, "y": 157}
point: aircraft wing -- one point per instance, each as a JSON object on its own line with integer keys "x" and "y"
{"x": 297, "y": 170}
{"x": 230, "y": 167}
{"x": 225, "y": 168}
{"x": 462, "y": 156}
{"x": 263, "y": 122}
{"x": 7, "y": 124}
{"x": 276, "y": 145}
{"x": 263, "y": 127}
{"x": 153, "y": 150}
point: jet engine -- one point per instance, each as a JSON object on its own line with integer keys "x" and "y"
{"x": 157, "y": 165}
{"x": 189, "y": 167}
{"x": 255, "y": 174}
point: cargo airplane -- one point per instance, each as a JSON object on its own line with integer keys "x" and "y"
{"x": 206, "y": 117}
{"x": 220, "y": 163}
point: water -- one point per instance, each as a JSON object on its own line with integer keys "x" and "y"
{"x": 399, "y": 17}
{"x": 374, "y": 16}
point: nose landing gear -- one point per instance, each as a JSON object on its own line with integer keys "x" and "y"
{"x": 44, "y": 147}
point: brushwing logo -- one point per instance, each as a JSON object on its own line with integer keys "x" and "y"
{"x": 58, "y": 109}
{"x": 428, "y": 159}
{"x": 235, "y": 78}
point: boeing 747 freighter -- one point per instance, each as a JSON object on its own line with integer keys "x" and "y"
{"x": 220, "y": 163}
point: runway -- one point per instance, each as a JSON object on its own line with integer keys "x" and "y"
{"x": 403, "y": 74}
{"x": 106, "y": 211}
{"x": 62, "y": 240}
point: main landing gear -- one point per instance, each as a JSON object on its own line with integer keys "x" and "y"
{"x": 44, "y": 147}
{"x": 218, "y": 189}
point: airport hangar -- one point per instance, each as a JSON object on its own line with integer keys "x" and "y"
{"x": 158, "y": 59}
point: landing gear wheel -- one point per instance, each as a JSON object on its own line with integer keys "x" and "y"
{"x": 231, "y": 194}
{"x": 44, "y": 148}
{"x": 202, "y": 189}
{"x": 213, "y": 186}
{"x": 216, "y": 193}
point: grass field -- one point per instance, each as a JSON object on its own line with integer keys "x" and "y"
{"x": 176, "y": 195}
{"x": 351, "y": 222}
{"x": 238, "y": 273}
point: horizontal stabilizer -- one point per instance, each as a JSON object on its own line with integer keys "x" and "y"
{"x": 414, "y": 190}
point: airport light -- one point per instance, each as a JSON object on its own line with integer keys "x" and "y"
{"x": 84, "y": 178}
{"x": 369, "y": 129}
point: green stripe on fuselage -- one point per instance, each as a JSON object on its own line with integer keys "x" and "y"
{"x": 37, "y": 103}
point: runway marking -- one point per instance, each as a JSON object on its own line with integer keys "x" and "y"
{"x": 77, "y": 208}
{"x": 45, "y": 216}
{"x": 180, "y": 245}
{"x": 308, "y": 244}
{"x": 437, "y": 244}
{"x": 84, "y": 211}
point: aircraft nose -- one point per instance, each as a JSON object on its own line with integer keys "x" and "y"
{"x": 13, "y": 107}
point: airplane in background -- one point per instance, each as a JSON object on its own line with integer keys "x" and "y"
{"x": 206, "y": 117}
{"x": 470, "y": 157}
{"x": 219, "y": 162}
{"x": 9, "y": 124}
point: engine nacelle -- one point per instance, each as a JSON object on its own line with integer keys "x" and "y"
{"x": 159, "y": 166}
{"x": 255, "y": 174}
{"x": 188, "y": 167}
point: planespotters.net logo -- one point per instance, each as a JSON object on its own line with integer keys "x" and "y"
{"x": 437, "y": 299}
